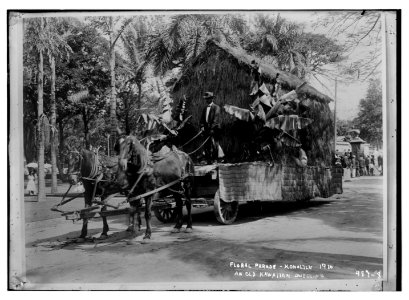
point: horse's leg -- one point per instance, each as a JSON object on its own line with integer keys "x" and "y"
{"x": 179, "y": 213}
{"x": 138, "y": 216}
{"x": 132, "y": 210}
{"x": 105, "y": 227}
{"x": 84, "y": 229}
{"x": 148, "y": 215}
{"x": 87, "y": 199}
{"x": 188, "y": 203}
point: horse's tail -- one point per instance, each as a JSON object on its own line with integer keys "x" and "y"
{"x": 94, "y": 164}
{"x": 190, "y": 167}
{"x": 190, "y": 173}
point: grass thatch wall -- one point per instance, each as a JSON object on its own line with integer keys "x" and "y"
{"x": 226, "y": 72}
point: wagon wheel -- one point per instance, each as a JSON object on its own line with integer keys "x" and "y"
{"x": 165, "y": 215}
{"x": 226, "y": 212}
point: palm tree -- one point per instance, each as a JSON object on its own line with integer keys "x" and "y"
{"x": 36, "y": 41}
{"x": 57, "y": 47}
{"x": 113, "y": 27}
{"x": 276, "y": 39}
{"x": 41, "y": 38}
{"x": 133, "y": 40}
{"x": 287, "y": 46}
{"x": 184, "y": 38}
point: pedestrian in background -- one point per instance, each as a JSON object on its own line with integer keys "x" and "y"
{"x": 347, "y": 170}
{"x": 380, "y": 164}
{"x": 371, "y": 169}
{"x": 362, "y": 169}
{"x": 357, "y": 171}
{"x": 353, "y": 166}
{"x": 31, "y": 184}
{"x": 367, "y": 161}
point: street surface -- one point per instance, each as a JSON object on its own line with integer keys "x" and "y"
{"x": 335, "y": 238}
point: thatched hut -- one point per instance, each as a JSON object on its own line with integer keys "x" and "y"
{"x": 226, "y": 72}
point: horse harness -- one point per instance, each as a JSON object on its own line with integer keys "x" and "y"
{"x": 150, "y": 160}
{"x": 98, "y": 168}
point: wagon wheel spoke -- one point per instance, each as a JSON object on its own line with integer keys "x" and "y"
{"x": 226, "y": 212}
{"x": 165, "y": 215}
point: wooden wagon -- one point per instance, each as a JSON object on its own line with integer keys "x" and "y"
{"x": 226, "y": 186}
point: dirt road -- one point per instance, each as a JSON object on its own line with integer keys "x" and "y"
{"x": 335, "y": 238}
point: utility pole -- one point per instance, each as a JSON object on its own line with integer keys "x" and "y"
{"x": 335, "y": 115}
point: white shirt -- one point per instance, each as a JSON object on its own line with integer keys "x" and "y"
{"x": 208, "y": 111}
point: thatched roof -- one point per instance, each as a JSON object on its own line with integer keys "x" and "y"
{"x": 226, "y": 72}
{"x": 268, "y": 72}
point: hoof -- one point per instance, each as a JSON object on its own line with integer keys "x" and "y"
{"x": 103, "y": 237}
{"x": 189, "y": 230}
{"x": 175, "y": 230}
{"x": 80, "y": 240}
{"x": 132, "y": 242}
{"x": 130, "y": 229}
{"x": 146, "y": 240}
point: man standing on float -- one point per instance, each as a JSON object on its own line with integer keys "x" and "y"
{"x": 210, "y": 124}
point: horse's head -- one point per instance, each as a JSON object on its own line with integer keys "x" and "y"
{"x": 125, "y": 151}
{"x": 74, "y": 166}
{"x": 125, "y": 146}
{"x": 132, "y": 159}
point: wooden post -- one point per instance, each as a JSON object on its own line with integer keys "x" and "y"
{"x": 17, "y": 255}
{"x": 391, "y": 132}
{"x": 335, "y": 116}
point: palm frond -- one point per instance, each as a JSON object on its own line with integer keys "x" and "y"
{"x": 272, "y": 41}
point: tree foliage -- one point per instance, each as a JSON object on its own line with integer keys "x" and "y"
{"x": 148, "y": 52}
{"x": 343, "y": 126}
{"x": 177, "y": 43}
{"x": 357, "y": 30}
{"x": 288, "y": 47}
{"x": 369, "y": 119}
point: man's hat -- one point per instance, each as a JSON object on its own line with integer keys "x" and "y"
{"x": 208, "y": 95}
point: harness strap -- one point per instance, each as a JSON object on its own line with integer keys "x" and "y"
{"x": 156, "y": 190}
{"x": 200, "y": 146}
{"x": 95, "y": 186}
{"x": 94, "y": 168}
{"x": 64, "y": 201}
{"x": 137, "y": 180}
{"x": 189, "y": 141}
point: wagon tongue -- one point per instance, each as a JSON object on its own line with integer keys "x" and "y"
{"x": 54, "y": 208}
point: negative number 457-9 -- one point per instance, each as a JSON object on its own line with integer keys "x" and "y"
{"x": 367, "y": 274}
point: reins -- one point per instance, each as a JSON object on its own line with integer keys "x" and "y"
{"x": 93, "y": 173}
{"x": 193, "y": 138}
{"x": 190, "y": 153}
{"x": 94, "y": 168}
{"x": 142, "y": 171}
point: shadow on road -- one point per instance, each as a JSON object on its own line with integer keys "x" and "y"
{"x": 252, "y": 211}
{"x": 70, "y": 241}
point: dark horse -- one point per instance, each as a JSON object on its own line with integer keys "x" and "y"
{"x": 137, "y": 168}
{"x": 89, "y": 167}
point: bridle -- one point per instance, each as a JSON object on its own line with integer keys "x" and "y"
{"x": 94, "y": 169}
{"x": 131, "y": 154}
{"x": 79, "y": 164}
